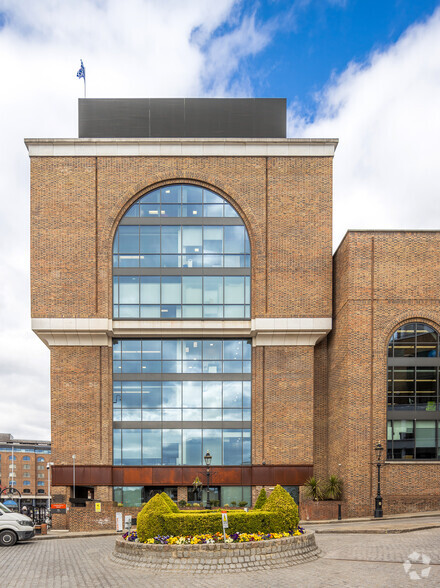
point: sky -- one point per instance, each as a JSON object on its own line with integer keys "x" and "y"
{"x": 366, "y": 72}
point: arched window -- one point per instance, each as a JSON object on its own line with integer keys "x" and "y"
{"x": 413, "y": 393}
{"x": 181, "y": 252}
{"x": 40, "y": 459}
{"x": 26, "y": 458}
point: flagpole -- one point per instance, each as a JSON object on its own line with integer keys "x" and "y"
{"x": 85, "y": 93}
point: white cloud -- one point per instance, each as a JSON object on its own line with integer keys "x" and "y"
{"x": 386, "y": 115}
{"x": 135, "y": 48}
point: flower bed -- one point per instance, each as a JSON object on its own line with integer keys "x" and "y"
{"x": 206, "y": 556}
{"x": 209, "y": 538}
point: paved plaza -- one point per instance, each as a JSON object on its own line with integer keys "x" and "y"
{"x": 347, "y": 560}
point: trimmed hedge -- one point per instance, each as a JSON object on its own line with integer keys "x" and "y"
{"x": 261, "y": 500}
{"x": 149, "y": 523}
{"x": 173, "y": 506}
{"x": 159, "y": 517}
{"x": 211, "y": 522}
{"x": 281, "y": 503}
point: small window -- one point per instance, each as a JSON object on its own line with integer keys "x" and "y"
{"x": 26, "y": 483}
{"x": 40, "y": 459}
{"x": 26, "y": 458}
{"x": 40, "y": 483}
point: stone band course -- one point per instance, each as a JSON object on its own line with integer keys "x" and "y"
{"x": 218, "y": 557}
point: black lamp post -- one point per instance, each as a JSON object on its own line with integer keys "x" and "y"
{"x": 378, "y": 511}
{"x": 208, "y": 459}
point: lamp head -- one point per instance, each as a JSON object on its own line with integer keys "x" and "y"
{"x": 208, "y": 459}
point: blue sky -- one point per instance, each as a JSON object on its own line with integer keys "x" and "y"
{"x": 366, "y": 72}
{"x": 316, "y": 40}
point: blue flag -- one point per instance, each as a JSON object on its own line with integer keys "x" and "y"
{"x": 82, "y": 71}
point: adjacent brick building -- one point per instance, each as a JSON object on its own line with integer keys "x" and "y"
{"x": 24, "y": 475}
{"x": 187, "y": 292}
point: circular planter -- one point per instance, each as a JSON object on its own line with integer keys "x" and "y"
{"x": 223, "y": 557}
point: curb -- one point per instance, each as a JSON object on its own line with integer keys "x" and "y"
{"x": 75, "y": 535}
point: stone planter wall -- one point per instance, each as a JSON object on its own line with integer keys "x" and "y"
{"x": 222, "y": 557}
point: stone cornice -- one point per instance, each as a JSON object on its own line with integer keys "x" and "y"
{"x": 181, "y": 147}
{"x": 99, "y": 332}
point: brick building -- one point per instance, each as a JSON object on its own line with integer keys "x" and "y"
{"x": 182, "y": 277}
{"x": 23, "y": 467}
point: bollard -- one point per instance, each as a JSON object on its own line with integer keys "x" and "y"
{"x": 339, "y": 512}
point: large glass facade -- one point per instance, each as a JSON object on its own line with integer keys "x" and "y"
{"x": 175, "y": 399}
{"x": 413, "y": 393}
{"x": 181, "y": 252}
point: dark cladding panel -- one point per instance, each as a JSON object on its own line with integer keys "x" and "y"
{"x": 105, "y": 118}
{"x": 182, "y": 118}
{"x": 167, "y": 117}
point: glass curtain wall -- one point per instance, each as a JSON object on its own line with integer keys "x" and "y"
{"x": 181, "y": 252}
{"x": 413, "y": 393}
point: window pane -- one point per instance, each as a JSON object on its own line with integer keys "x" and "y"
{"x": 116, "y": 447}
{"x": 171, "y": 446}
{"x": 192, "y": 241}
{"x": 212, "y": 239}
{"x": 128, "y": 239}
{"x": 192, "y": 394}
{"x": 171, "y": 194}
{"x": 170, "y": 239}
{"x": 212, "y": 442}
{"x": 150, "y": 290}
{"x": 192, "y": 447}
{"x": 131, "y": 447}
{"x": 131, "y": 395}
{"x": 151, "y": 394}
{"x": 213, "y": 290}
{"x": 403, "y": 439}
{"x": 192, "y": 349}
{"x": 404, "y": 341}
{"x": 191, "y": 194}
{"x": 153, "y": 196}
{"x": 234, "y": 239}
{"x": 234, "y": 290}
{"x": 404, "y": 388}
{"x": 232, "y": 394}
{"x": 426, "y": 389}
{"x": 212, "y": 350}
{"x": 192, "y": 289}
{"x": 128, "y": 290}
{"x": 171, "y": 394}
{"x": 232, "y": 447}
{"x": 171, "y": 290}
{"x": 150, "y": 239}
{"x": 426, "y": 341}
{"x": 425, "y": 440}
{"x": 212, "y": 394}
{"x": 151, "y": 447}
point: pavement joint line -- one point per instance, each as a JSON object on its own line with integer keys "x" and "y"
{"x": 375, "y": 531}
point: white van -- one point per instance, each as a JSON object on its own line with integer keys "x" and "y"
{"x": 14, "y": 527}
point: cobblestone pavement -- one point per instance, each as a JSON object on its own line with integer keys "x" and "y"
{"x": 347, "y": 560}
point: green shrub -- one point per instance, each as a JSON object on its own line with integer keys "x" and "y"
{"x": 261, "y": 500}
{"x": 233, "y": 503}
{"x": 281, "y": 503}
{"x": 313, "y": 489}
{"x": 149, "y": 523}
{"x": 242, "y": 503}
{"x": 182, "y": 503}
{"x": 170, "y": 502}
{"x": 192, "y": 523}
{"x": 333, "y": 488}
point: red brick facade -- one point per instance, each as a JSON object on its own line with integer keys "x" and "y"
{"x": 321, "y": 405}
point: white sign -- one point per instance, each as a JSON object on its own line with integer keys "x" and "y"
{"x": 127, "y": 522}
{"x": 119, "y": 521}
{"x": 225, "y": 520}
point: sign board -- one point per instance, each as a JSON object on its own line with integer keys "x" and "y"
{"x": 58, "y": 508}
{"x": 97, "y": 507}
{"x": 127, "y": 522}
{"x": 225, "y": 520}
{"x": 119, "y": 521}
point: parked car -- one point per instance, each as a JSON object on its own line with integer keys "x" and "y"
{"x": 14, "y": 527}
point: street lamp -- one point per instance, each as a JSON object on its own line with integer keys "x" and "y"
{"x": 378, "y": 511}
{"x": 208, "y": 459}
{"x": 73, "y": 458}
{"x": 48, "y": 466}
